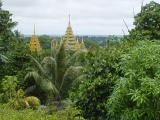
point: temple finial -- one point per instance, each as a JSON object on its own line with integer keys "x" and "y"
{"x": 82, "y": 40}
{"x": 69, "y": 18}
{"x": 34, "y": 30}
{"x": 34, "y": 43}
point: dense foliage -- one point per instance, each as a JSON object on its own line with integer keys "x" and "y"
{"x": 147, "y": 23}
{"x": 13, "y": 47}
{"x": 52, "y": 74}
{"x": 8, "y": 88}
{"x": 101, "y": 72}
{"x": 6, "y": 26}
{"x": 116, "y": 78}
{"x": 136, "y": 95}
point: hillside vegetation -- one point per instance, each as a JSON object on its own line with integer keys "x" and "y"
{"x": 113, "y": 78}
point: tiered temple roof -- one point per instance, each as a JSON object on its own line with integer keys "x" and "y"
{"x": 70, "y": 41}
{"x": 34, "y": 44}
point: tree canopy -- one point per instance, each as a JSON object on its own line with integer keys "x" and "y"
{"x": 147, "y": 22}
{"x": 6, "y": 26}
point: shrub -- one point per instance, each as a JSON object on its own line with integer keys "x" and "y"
{"x": 33, "y": 102}
{"x": 137, "y": 94}
{"x": 102, "y": 71}
{"x": 9, "y": 84}
{"x": 17, "y": 104}
{"x": 92, "y": 98}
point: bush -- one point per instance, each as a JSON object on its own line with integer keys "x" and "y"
{"x": 102, "y": 71}
{"x": 17, "y": 104}
{"x": 33, "y": 102}
{"x": 92, "y": 98}
{"x": 137, "y": 94}
{"x": 8, "y": 88}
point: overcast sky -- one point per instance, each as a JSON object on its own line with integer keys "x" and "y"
{"x": 88, "y": 17}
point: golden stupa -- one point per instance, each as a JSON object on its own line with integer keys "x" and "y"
{"x": 82, "y": 45}
{"x": 34, "y": 44}
{"x": 70, "y": 41}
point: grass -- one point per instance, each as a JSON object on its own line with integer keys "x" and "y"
{"x": 29, "y": 114}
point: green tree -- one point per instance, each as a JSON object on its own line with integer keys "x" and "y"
{"x": 6, "y": 26}
{"x": 147, "y": 23}
{"x": 18, "y": 61}
{"x": 8, "y": 88}
{"x": 45, "y": 41}
{"x": 53, "y": 72}
{"x": 100, "y": 75}
{"x": 10, "y": 42}
{"x": 137, "y": 93}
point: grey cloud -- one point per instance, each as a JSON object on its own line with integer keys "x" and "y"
{"x": 88, "y": 16}
{"x": 20, "y": 3}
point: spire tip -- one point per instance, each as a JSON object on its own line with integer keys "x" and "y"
{"x": 69, "y": 18}
{"x": 34, "y": 29}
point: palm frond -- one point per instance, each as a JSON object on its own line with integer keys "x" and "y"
{"x": 61, "y": 65}
{"x": 32, "y": 76}
{"x": 74, "y": 56}
{"x": 53, "y": 49}
{"x": 3, "y": 58}
{"x": 54, "y": 68}
{"x": 30, "y": 89}
{"x": 71, "y": 73}
{"x": 38, "y": 65}
{"x": 44, "y": 84}
{"x": 47, "y": 86}
{"x": 77, "y": 81}
{"x": 50, "y": 66}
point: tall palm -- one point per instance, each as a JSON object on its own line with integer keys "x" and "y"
{"x": 54, "y": 72}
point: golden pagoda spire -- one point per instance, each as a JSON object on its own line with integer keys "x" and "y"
{"x": 77, "y": 45}
{"x": 34, "y": 30}
{"x": 82, "y": 40}
{"x": 69, "y": 38}
{"x": 70, "y": 41}
{"x": 82, "y": 44}
{"x": 34, "y": 44}
{"x": 69, "y": 19}
{"x": 77, "y": 40}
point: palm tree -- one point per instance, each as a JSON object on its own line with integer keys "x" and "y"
{"x": 54, "y": 72}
